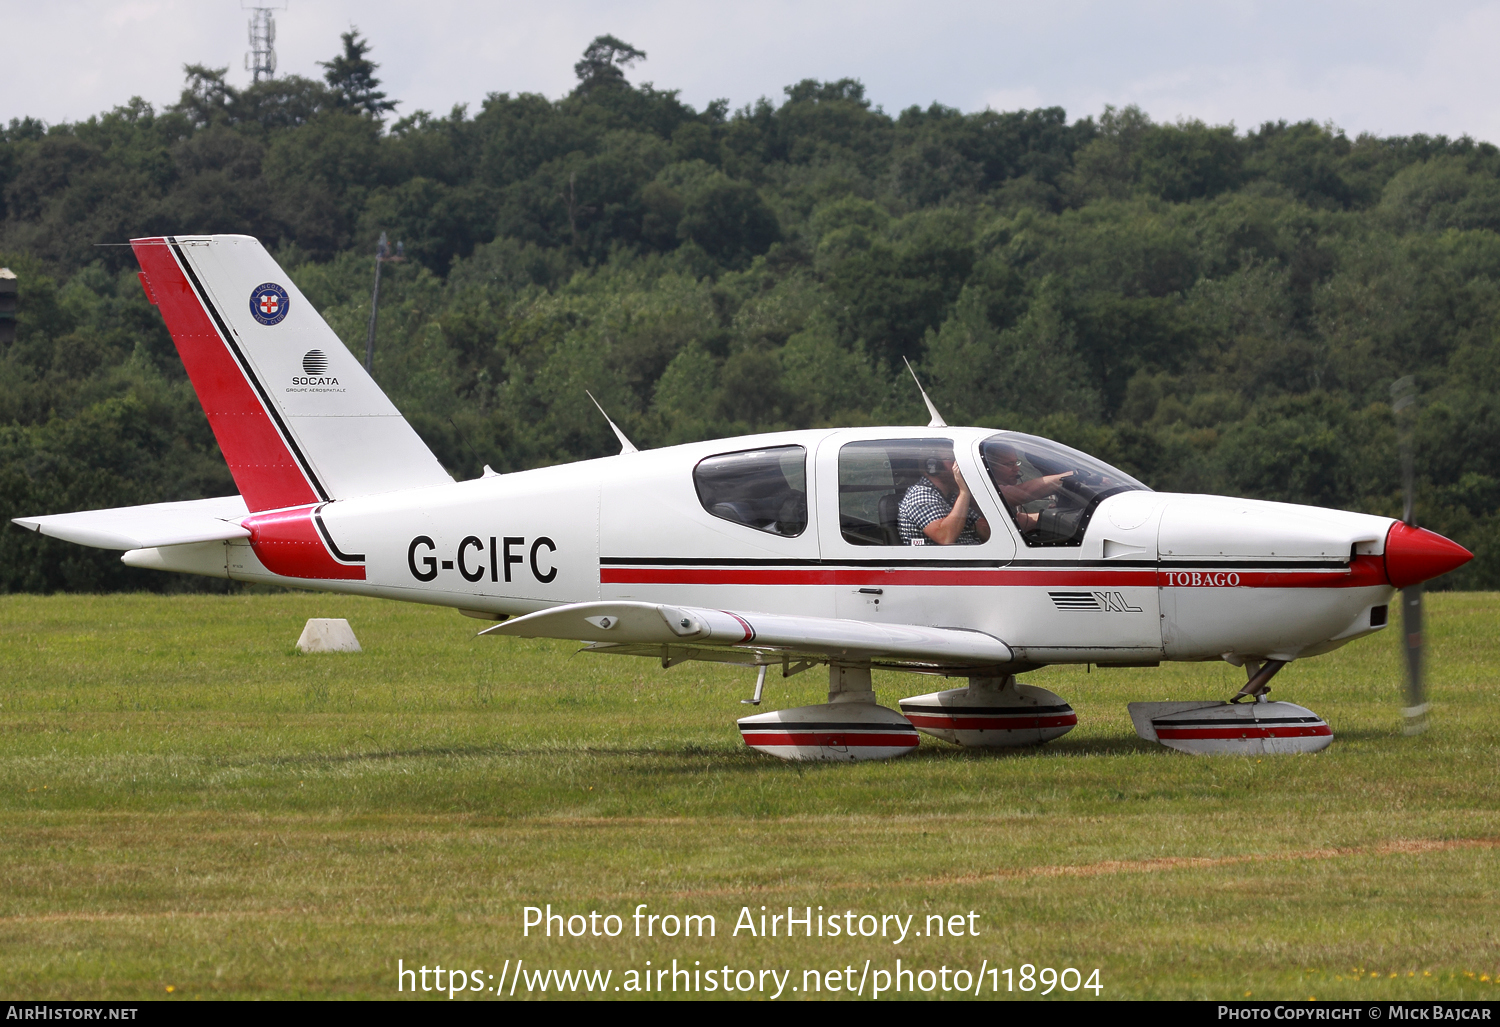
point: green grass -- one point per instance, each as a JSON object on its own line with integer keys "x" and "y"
{"x": 187, "y": 802}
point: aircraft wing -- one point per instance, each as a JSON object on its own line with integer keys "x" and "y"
{"x": 677, "y": 633}
{"x": 146, "y": 527}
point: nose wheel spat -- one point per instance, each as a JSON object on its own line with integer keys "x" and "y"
{"x": 1245, "y": 729}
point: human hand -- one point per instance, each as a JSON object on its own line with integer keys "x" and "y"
{"x": 958, "y": 478}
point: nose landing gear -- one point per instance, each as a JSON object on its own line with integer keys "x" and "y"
{"x": 1247, "y": 725}
{"x": 1259, "y": 680}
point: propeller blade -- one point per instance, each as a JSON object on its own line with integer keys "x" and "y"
{"x": 1411, "y": 639}
{"x": 1403, "y": 402}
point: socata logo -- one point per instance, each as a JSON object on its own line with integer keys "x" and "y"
{"x": 315, "y": 364}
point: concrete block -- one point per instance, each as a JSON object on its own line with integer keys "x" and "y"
{"x": 328, "y": 635}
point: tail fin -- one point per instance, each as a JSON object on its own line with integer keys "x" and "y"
{"x": 296, "y": 416}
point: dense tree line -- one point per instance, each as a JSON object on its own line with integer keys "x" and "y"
{"x": 1211, "y": 309}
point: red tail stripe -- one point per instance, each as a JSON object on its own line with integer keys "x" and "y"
{"x": 267, "y": 474}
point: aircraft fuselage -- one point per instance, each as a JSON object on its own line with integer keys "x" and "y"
{"x": 1156, "y": 576}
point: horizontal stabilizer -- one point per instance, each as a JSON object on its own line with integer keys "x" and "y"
{"x": 146, "y": 527}
{"x": 685, "y": 632}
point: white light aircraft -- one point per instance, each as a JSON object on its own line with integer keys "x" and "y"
{"x": 960, "y": 552}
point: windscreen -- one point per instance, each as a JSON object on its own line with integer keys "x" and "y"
{"x": 1050, "y": 490}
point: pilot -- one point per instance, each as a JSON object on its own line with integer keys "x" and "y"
{"x": 939, "y": 509}
{"x": 1004, "y": 463}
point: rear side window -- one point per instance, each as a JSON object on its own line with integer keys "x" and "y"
{"x": 764, "y": 489}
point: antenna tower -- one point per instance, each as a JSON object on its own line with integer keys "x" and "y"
{"x": 261, "y": 60}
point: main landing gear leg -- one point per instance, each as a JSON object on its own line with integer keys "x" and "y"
{"x": 849, "y": 684}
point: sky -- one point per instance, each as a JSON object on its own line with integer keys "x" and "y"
{"x": 1387, "y": 69}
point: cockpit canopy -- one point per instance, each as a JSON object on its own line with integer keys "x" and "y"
{"x": 1050, "y": 490}
{"x": 891, "y": 490}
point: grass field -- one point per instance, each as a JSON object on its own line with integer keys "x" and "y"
{"x": 189, "y": 807}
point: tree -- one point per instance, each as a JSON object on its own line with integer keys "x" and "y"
{"x": 604, "y": 62}
{"x": 283, "y": 102}
{"x": 729, "y": 220}
{"x": 206, "y": 97}
{"x": 275, "y": 103}
{"x": 351, "y": 76}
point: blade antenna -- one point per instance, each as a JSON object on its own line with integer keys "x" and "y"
{"x": 937, "y": 418}
{"x": 488, "y": 472}
{"x": 626, "y": 446}
{"x": 1403, "y": 405}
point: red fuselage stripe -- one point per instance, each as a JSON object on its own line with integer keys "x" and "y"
{"x": 1363, "y": 572}
{"x": 834, "y": 576}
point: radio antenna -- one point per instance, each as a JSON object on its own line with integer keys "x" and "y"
{"x": 937, "y": 418}
{"x": 488, "y": 472}
{"x": 626, "y": 446}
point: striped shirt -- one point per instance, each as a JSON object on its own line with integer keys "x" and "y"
{"x": 922, "y": 505}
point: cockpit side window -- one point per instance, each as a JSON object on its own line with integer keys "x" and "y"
{"x": 764, "y": 489}
{"x": 1050, "y": 490}
{"x": 902, "y": 492}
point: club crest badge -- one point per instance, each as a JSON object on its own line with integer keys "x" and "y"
{"x": 268, "y": 303}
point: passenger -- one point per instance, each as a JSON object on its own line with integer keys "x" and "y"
{"x": 939, "y": 509}
{"x": 1004, "y": 464}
